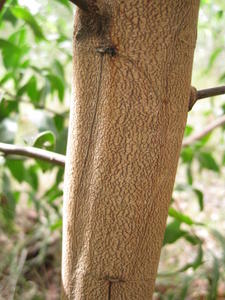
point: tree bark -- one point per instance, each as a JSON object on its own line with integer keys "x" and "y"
{"x": 132, "y": 75}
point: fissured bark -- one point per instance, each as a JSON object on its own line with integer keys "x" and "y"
{"x": 132, "y": 75}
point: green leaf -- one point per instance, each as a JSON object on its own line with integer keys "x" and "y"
{"x": 187, "y": 155}
{"x": 11, "y": 53}
{"x": 222, "y": 78}
{"x": 193, "y": 239}
{"x": 207, "y": 161}
{"x": 199, "y": 195}
{"x": 65, "y": 3}
{"x": 173, "y": 232}
{"x": 45, "y": 140}
{"x": 180, "y": 217}
{"x": 7, "y": 107}
{"x": 61, "y": 141}
{"x": 199, "y": 258}
{"x": 59, "y": 177}
{"x": 19, "y": 37}
{"x": 24, "y": 14}
{"x": 58, "y": 68}
{"x": 8, "y": 46}
{"x": 8, "y": 76}
{"x": 213, "y": 278}
{"x": 188, "y": 130}
{"x": 54, "y": 195}
{"x": 17, "y": 169}
{"x": 223, "y": 159}
{"x": 31, "y": 89}
{"x": 56, "y": 225}
{"x": 198, "y": 261}
{"x": 56, "y": 85}
{"x": 189, "y": 174}
{"x": 59, "y": 122}
{"x": 203, "y": 141}
{"x": 44, "y": 91}
{"x": 32, "y": 176}
{"x": 221, "y": 239}
{"x": 213, "y": 58}
{"x": 6, "y": 15}
{"x": 219, "y": 14}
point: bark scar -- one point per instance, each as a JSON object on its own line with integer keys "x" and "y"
{"x": 112, "y": 280}
{"x": 110, "y": 50}
{"x": 93, "y": 122}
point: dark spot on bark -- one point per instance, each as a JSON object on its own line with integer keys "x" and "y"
{"x": 111, "y": 51}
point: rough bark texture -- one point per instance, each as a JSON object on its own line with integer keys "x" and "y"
{"x": 132, "y": 73}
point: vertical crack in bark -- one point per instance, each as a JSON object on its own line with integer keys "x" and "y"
{"x": 94, "y": 118}
{"x": 112, "y": 280}
{"x": 109, "y": 290}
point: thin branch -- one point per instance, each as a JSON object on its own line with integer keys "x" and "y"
{"x": 82, "y": 4}
{"x": 206, "y": 93}
{"x": 51, "y": 157}
{"x": 2, "y": 3}
{"x": 195, "y": 137}
{"x": 196, "y": 95}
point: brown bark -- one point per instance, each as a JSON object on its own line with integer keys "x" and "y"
{"x": 132, "y": 74}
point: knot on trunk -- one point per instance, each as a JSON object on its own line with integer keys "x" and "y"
{"x": 193, "y": 97}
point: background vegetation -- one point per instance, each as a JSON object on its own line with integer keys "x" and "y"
{"x": 35, "y": 89}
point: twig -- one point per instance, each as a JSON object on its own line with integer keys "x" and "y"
{"x": 196, "y": 95}
{"x": 195, "y": 137}
{"x": 51, "y": 157}
{"x": 2, "y": 3}
{"x": 206, "y": 93}
{"x": 82, "y": 4}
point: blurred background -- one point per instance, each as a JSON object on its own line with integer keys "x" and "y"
{"x": 35, "y": 92}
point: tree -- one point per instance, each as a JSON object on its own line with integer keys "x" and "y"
{"x": 45, "y": 80}
{"x": 132, "y": 75}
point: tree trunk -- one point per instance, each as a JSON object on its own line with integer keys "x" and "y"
{"x": 132, "y": 73}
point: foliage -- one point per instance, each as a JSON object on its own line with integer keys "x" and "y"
{"x": 35, "y": 49}
{"x": 35, "y": 85}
